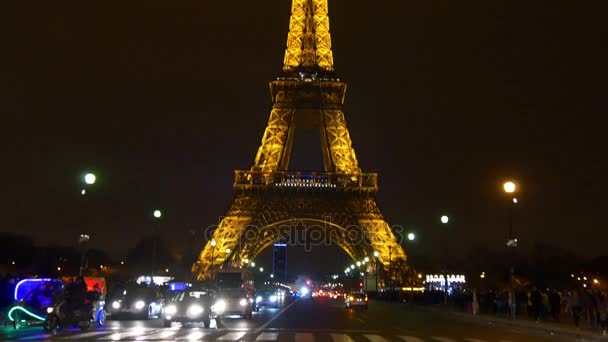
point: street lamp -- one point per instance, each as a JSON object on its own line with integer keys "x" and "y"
{"x": 261, "y": 269}
{"x": 156, "y": 214}
{"x": 376, "y": 261}
{"x": 411, "y": 236}
{"x": 445, "y": 220}
{"x": 510, "y": 188}
{"x": 213, "y": 244}
{"x": 89, "y": 179}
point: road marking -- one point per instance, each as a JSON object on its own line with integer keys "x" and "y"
{"x": 90, "y": 334}
{"x": 341, "y": 338}
{"x": 442, "y": 339}
{"x": 233, "y": 336}
{"x": 268, "y": 337}
{"x": 132, "y": 333}
{"x": 411, "y": 339}
{"x": 194, "y": 336}
{"x": 158, "y": 336}
{"x": 305, "y": 337}
{"x": 258, "y": 330}
{"x": 376, "y": 338}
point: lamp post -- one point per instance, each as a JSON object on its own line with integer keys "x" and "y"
{"x": 376, "y": 255}
{"x": 88, "y": 180}
{"x": 390, "y": 268}
{"x": 510, "y": 188}
{"x": 213, "y": 244}
{"x": 82, "y": 241}
{"x": 445, "y": 220}
{"x": 411, "y": 237}
{"x": 157, "y": 215}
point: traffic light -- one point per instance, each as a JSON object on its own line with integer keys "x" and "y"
{"x": 360, "y": 284}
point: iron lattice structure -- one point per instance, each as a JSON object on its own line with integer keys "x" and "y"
{"x": 271, "y": 202}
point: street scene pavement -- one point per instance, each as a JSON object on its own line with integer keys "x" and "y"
{"x": 307, "y": 320}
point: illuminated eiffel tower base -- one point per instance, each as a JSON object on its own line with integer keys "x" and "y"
{"x": 335, "y": 206}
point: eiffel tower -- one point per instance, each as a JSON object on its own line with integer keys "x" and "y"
{"x": 336, "y": 205}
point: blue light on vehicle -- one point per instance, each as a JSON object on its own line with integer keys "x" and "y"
{"x": 25, "y": 287}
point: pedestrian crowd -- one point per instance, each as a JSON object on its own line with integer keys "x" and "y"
{"x": 584, "y": 307}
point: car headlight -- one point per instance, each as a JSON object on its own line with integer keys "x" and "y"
{"x": 259, "y": 299}
{"x": 116, "y": 305}
{"x": 273, "y": 298}
{"x": 49, "y": 310}
{"x": 195, "y": 310}
{"x": 220, "y": 306}
{"x": 243, "y": 302}
{"x": 171, "y": 310}
{"x": 140, "y": 304}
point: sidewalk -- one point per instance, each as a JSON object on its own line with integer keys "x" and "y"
{"x": 548, "y": 327}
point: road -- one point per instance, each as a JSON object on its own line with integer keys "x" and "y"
{"x": 304, "y": 321}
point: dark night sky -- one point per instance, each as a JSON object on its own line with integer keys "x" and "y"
{"x": 163, "y": 100}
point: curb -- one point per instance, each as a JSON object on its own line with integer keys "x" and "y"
{"x": 539, "y": 327}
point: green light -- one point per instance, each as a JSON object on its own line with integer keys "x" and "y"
{"x": 15, "y": 308}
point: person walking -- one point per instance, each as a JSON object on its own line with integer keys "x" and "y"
{"x": 555, "y": 303}
{"x": 475, "y": 303}
{"x": 603, "y": 308}
{"x": 537, "y": 303}
{"x": 575, "y": 307}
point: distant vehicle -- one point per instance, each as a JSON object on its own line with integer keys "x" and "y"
{"x": 234, "y": 302}
{"x": 356, "y": 299}
{"x": 266, "y": 298}
{"x": 144, "y": 302}
{"x": 190, "y": 306}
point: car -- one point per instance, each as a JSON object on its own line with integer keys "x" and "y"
{"x": 266, "y": 298}
{"x": 356, "y": 299}
{"x": 144, "y": 302}
{"x": 190, "y": 306}
{"x": 234, "y": 302}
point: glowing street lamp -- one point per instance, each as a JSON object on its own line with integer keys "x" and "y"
{"x": 376, "y": 254}
{"x": 411, "y": 236}
{"x": 157, "y": 214}
{"x": 227, "y": 250}
{"x": 509, "y": 187}
{"x": 352, "y": 267}
{"x": 445, "y": 219}
{"x": 359, "y": 263}
{"x": 261, "y": 269}
{"x": 366, "y": 259}
{"x": 89, "y": 179}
